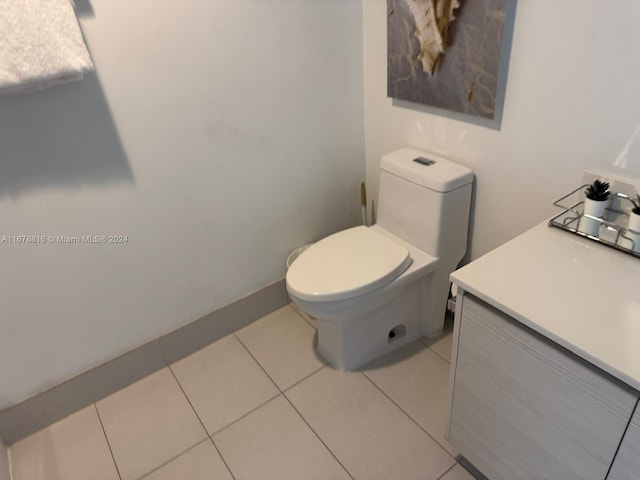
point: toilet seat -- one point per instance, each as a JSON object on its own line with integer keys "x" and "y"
{"x": 346, "y": 264}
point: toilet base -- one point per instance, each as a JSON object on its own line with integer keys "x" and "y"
{"x": 348, "y": 344}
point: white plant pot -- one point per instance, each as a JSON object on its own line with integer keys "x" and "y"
{"x": 634, "y": 224}
{"x": 594, "y": 208}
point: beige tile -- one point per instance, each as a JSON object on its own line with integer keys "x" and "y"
{"x": 149, "y": 423}
{"x": 370, "y": 436}
{"x": 442, "y": 343}
{"x": 273, "y": 442}
{"x": 442, "y": 346}
{"x": 458, "y": 473}
{"x": 73, "y": 448}
{"x": 283, "y": 343}
{"x": 223, "y": 382}
{"x": 202, "y": 462}
{"x": 417, "y": 380}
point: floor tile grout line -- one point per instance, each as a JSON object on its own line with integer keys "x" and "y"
{"x": 175, "y": 377}
{"x": 155, "y": 469}
{"x": 106, "y": 437}
{"x": 445, "y": 473}
{"x": 407, "y": 414}
{"x": 281, "y": 393}
{"x": 318, "y": 436}
{"x": 281, "y": 390}
{"x": 441, "y": 356}
{"x": 257, "y": 362}
{"x": 224, "y": 460}
{"x": 425, "y": 345}
{"x": 304, "y": 378}
{"x": 244, "y": 415}
{"x": 201, "y": 422}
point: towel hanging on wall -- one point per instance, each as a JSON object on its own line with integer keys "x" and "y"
{"x": 40, "y": 45}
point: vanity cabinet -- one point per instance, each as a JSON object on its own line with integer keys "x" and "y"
{"x": 626, "y": 466}
{"x": 523, "y": 407}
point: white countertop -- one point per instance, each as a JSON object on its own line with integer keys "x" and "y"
{"x": 582, "y": 295}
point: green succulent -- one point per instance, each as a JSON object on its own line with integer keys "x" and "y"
{"x": 598, "y": 191}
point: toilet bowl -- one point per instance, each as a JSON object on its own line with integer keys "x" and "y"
{"x": 365, "y": 305}
{"x": 374, "y": 289}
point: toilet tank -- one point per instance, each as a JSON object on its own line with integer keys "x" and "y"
{"x": 425, "y": 199}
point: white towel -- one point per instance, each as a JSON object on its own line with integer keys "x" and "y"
{"x": 40, "y": 45}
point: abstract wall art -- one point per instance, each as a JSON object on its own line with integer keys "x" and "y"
{"x": 445, "y": 53}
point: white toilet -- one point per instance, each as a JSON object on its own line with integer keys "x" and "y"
{"x": 374, "y": 289}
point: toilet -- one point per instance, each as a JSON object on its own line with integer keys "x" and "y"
{"x": 374, "y": 289}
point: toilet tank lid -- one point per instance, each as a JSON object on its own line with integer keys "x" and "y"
{"x": 430, "y": 170}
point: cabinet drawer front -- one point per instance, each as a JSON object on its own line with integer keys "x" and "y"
{"x": 524, "y": 408}
{"x": 626, "y": 466}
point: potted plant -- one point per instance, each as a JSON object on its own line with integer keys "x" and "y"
{"x": 596, "y": 198}
{"x": 634, "y": 223}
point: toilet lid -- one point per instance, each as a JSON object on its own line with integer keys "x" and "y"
{"x": 349, "y": 263}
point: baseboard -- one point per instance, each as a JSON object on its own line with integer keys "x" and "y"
{"x": 43, "y": 409}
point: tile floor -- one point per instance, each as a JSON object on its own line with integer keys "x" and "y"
{"x": 260, "y": 404}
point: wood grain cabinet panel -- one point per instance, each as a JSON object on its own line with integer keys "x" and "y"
{"x": 524, "y": 408}
{"x": 626, "y": 465}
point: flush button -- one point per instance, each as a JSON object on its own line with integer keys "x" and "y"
{"x": 424, "y": 161}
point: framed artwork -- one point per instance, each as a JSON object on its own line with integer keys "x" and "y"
{"x": 445, "y": 53}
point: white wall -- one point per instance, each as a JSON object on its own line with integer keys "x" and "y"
{"x": 217, "y": 135}
{"x": 572, "y": 102}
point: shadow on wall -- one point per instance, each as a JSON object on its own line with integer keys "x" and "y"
{"x": 59, "y": 137}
